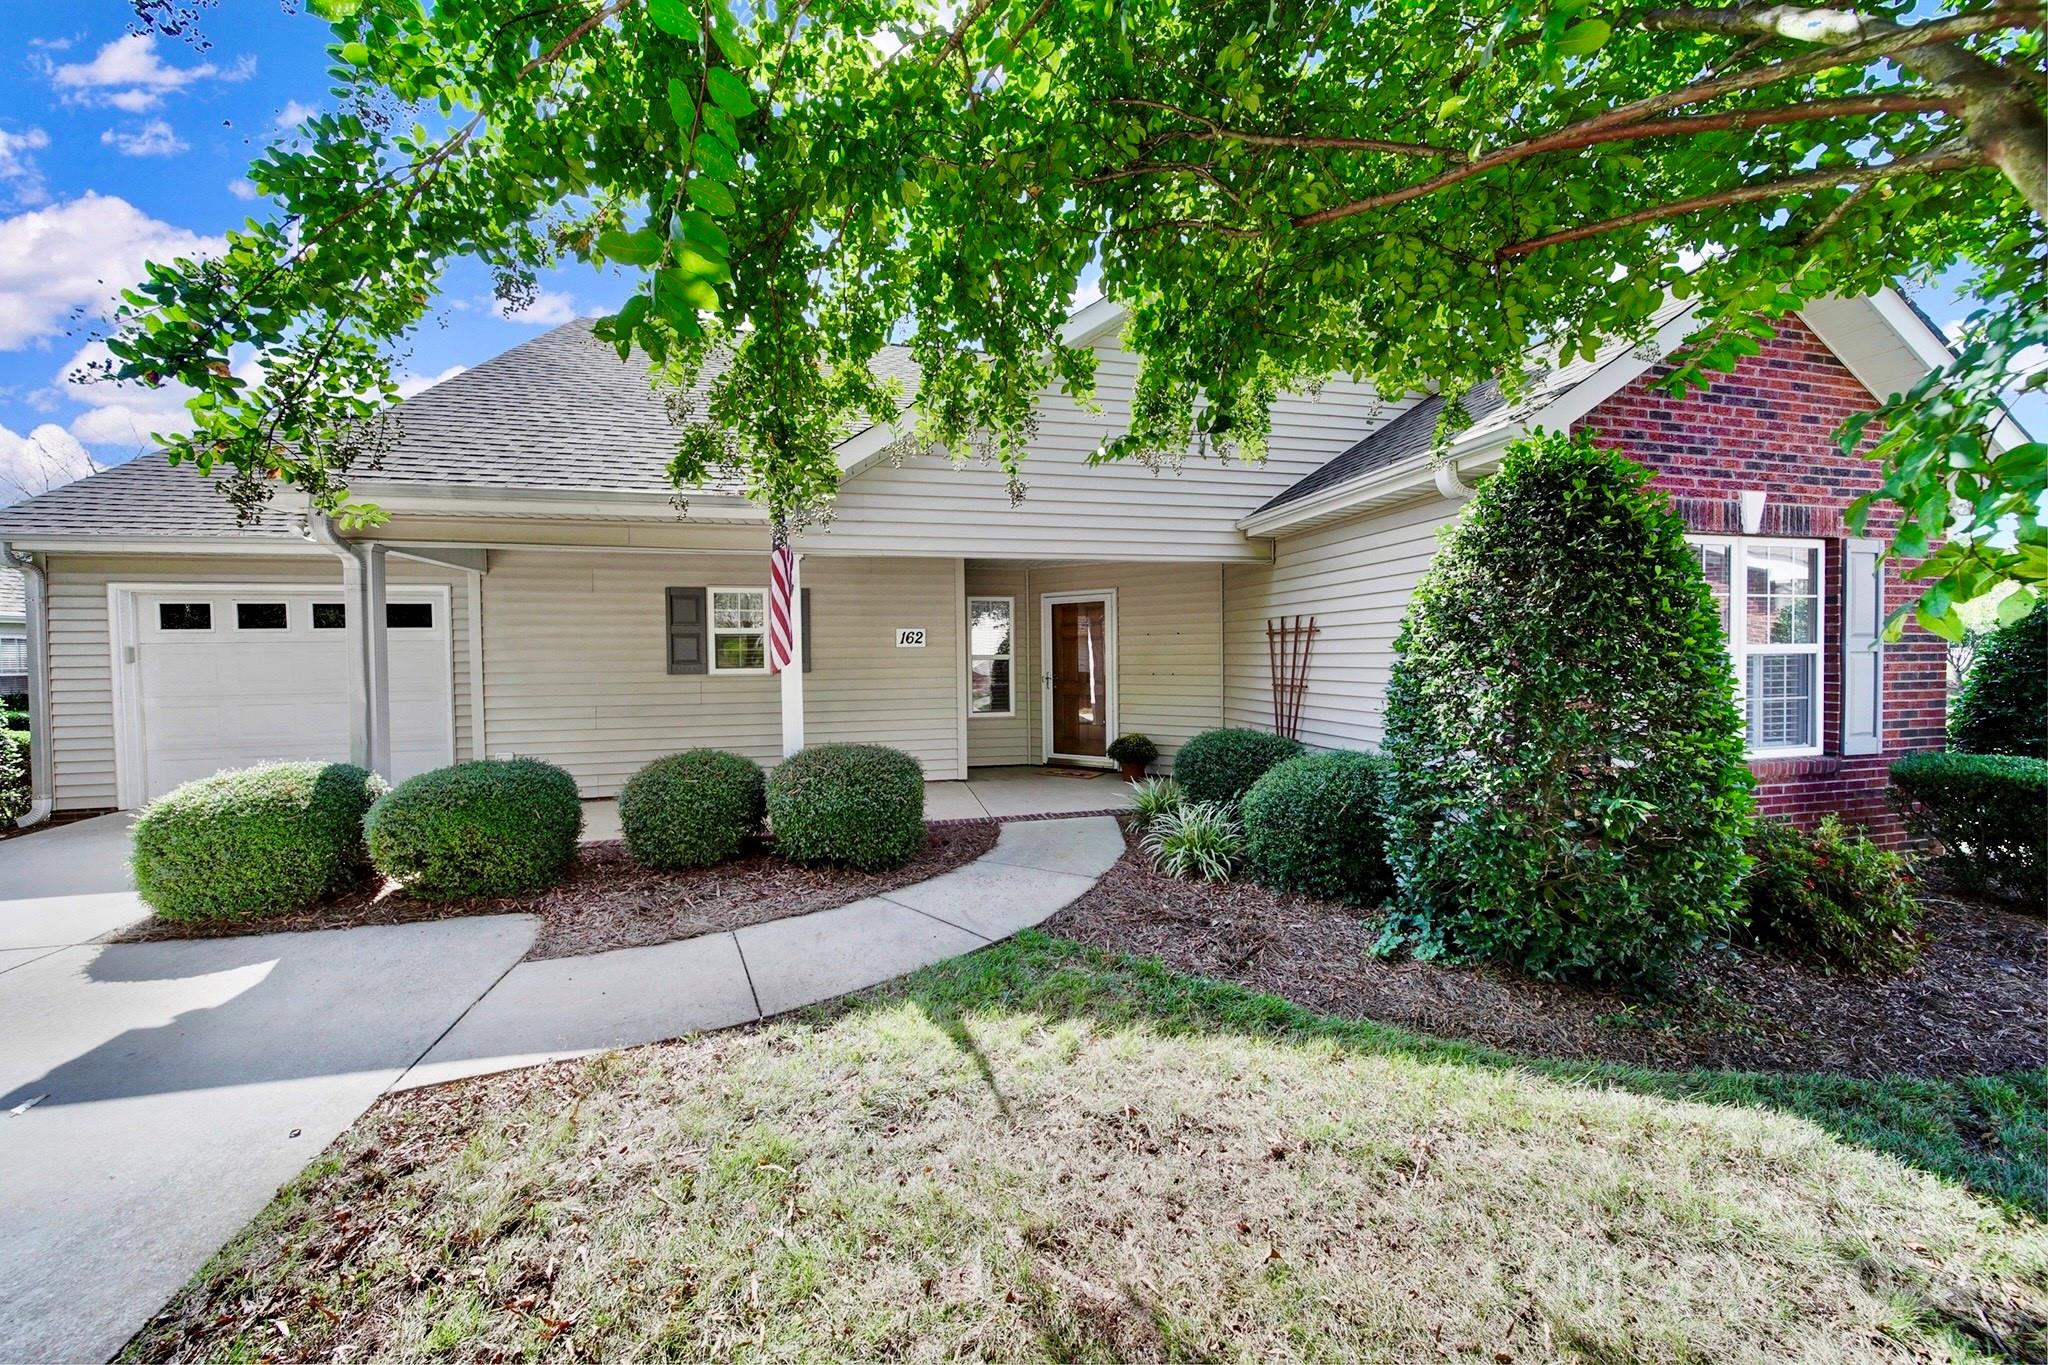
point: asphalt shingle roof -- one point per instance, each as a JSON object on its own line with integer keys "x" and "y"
{"x": 1413, "y": 431}
{"x": 145, "y": 497}
{"x": 561, "y": 411}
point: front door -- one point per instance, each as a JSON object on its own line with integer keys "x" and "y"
{"x": 1080, "y": 675}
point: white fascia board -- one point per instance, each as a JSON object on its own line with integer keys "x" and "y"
{"x": 1613, "y": 375}
{"x": 166, "y": 545}
{"x": 1931, "y": 349}
{"x": 553, "y": 502}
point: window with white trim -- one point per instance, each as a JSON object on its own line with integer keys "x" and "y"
{"x": 739, "y": 630}
{"x": 1770, "y": 595}
{"x": 991, "y": 631}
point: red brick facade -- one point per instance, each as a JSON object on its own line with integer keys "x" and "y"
{"x": 1771, "y": 426}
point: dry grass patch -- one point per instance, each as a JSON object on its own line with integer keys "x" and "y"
{"x": 1039, "y": 1153}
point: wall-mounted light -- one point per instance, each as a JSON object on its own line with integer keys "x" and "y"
{"x": 1753, "y": 500}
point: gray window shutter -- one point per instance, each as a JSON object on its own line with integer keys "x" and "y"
{"x": 689, "y": 633}
{"x": 1863, "y": 647}
{"x": 805, "y": 609}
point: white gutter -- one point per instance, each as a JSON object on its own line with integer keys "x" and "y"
{"x": 426, "y": 500}
{"x": 41, "y": 785}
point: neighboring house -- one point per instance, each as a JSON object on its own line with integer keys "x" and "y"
{"x": 13, "y": 634}
{"x": 545, "y": 597}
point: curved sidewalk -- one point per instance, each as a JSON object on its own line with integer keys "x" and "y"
{"x": 574, "y": 1006}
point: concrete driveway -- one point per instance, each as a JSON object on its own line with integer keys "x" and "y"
{"x": 153, "y": 1097}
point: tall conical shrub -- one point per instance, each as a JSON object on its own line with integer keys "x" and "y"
{"x": 1570, "y": 792}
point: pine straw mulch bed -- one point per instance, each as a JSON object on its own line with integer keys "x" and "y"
{"x": 1976, "y": 1004}
{"x": 609, "y": 901}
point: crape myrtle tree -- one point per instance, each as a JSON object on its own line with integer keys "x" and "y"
{"x": 1279, "y": 191}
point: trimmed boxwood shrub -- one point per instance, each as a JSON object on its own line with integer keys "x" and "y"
{"x": 1314, "y": 824}
{"x": 491, "y": 828}
{"x": 2003, "y": 707}
{"x": 1221, "y": 765}
{"x": 692, "y": 808}
{"x": 857, "y": 804}
{"x": 1987, "y": 814}
{"x": 254, "y": 842}
{"x": 1831, "y": 897}
{"x": 1570, "y": 793}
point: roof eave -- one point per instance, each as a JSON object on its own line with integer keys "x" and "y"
{"x": 432, "y": 500}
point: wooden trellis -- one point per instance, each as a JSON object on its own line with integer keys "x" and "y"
{"x": 1288, "y": 642}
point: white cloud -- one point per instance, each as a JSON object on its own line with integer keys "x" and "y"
{"x": 154, "y": 138}
{"x": 293, "y": 114}
{"x": 549, "y": 308}
{"x": 410, "y": 384}
{"x": 129, "y": 74}
{"x": 45, "y": 458}
{"x": 73, "y": 259}
{"x": 243, "y": 188}
{"x": 119, "y": 414}
{"x": 18, "y": 169}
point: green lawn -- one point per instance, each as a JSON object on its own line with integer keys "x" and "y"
{"x": 1041, "y": 1152}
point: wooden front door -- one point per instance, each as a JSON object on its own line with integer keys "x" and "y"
{"x": 1078, "y": 650}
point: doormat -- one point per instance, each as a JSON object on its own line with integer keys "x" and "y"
{"x": 1085, "y": 774}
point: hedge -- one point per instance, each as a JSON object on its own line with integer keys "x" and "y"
{"x": 15, "y": 794}
{"x": 1831, "y": 897}
{"x": 491, "y": 828}
{"x": 2003, "y": 705}
{"x": 1570, "y": 786}
{"x": 258, "y": 841}
{"x": 1220, "y": 765}
{"x": 692, "y": 808}
{"x": 1315, "y": 824}
{"x": 1986, "y": 813}
{"x": 861, "y": 805}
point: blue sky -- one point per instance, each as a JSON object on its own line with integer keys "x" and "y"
{"x": 117, "y": 147}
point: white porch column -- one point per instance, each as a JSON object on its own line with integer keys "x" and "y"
{"x": 369, "y": 731}
{"x": 793, "y": 676}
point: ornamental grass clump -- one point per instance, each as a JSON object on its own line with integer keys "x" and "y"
{"x": 491, "y": 828}
{"x": 254, "y": 842}
{"x": 692, "y": 808}
{"x": 1316, "y": 825}
{"x": 1152, "y": 798}
{"x": 1831, "y": 897}
{"x": 1198, "y": 839}
{"x": 1570, "y": 791}
{"x": 857, "y": 805}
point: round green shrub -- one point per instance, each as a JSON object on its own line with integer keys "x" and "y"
{"x": 2003, "y": 706}
{"x": 1831, "y": 897}
{"x": 1220, "y": 765}
{"x": 259, "y": 841}
{"x": 1570, "y": 793}
{"x": 861, "y": 805}
{"x": 1132, "y": 748}
{"x": 1986, "y": 815}
{"x": 692, "y": 808}
{"x": 1314, "y": 824}
{"x": 492, "y": 828}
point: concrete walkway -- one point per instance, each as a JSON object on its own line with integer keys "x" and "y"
{"x": 574, "y": 1006}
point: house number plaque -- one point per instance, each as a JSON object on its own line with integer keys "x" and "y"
{"x": 910, "y": 637}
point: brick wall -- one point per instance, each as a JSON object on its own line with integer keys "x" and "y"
{"x": 1770, "y": 426}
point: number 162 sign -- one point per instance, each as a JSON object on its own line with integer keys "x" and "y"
{"x": 910, "y": 637}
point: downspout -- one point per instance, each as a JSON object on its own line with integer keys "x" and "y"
{"x": 37, "y": 603}
{"x": 370, "y": 677}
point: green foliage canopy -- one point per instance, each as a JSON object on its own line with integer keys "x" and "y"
{"x": 1278, "y": 190}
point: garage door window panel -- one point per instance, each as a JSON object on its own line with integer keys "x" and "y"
{"x": 330, "y": 616}
{"x": 184, "y": 616}
{"x": 262, "y": 616}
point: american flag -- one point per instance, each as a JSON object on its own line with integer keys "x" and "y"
{"x": 781, "y": 589}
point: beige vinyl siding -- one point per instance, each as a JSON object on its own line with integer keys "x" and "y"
{"x": 1071, "y": 511}
{"x": 1169, "y": 652}
{"x": 1355, "y": 577}
{"x": 81, "y": 647}
{"x": 576, "y": 668}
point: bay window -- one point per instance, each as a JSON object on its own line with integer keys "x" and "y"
{"x": 1769, "y": 593}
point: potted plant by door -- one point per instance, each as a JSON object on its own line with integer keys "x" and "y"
{"x": 1132, "y": 754}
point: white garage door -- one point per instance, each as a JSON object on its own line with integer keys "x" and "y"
{"x": 228, "y": 679}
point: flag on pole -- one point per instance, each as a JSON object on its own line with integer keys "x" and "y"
{"x": 781, "y": 589}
